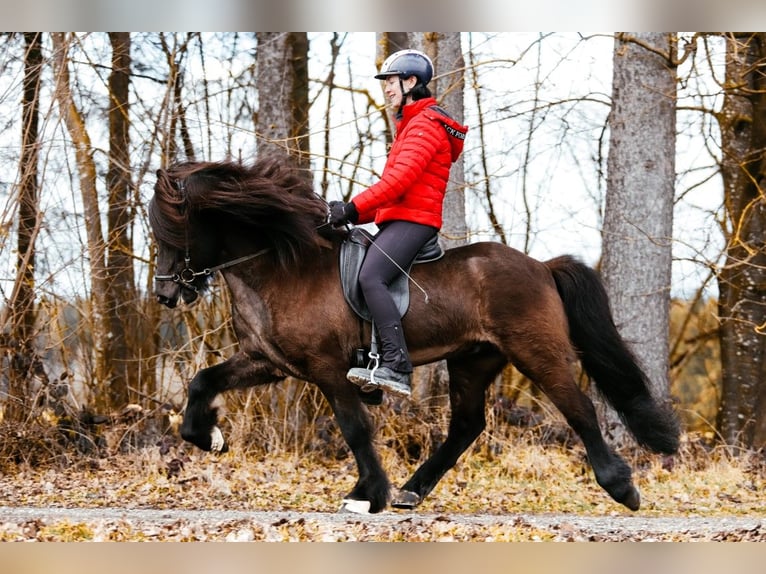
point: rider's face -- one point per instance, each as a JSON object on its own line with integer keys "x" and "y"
{"x": 392, "y": 89}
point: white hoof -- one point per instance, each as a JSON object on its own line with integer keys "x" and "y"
{"x": 355, "y": 506}
{"x": 216, "y": 440}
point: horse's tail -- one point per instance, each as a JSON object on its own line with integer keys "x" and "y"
{"x": 606, "y": 358}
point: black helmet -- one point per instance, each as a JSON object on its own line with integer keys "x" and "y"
{"x": 406, "y": 63}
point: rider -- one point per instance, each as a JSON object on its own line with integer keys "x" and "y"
{"x": 406, "y": 205}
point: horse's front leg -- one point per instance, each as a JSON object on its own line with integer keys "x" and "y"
{"x": 200, "y": 422}
{"x": 371, "y": 491}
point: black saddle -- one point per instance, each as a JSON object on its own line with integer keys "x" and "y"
{"x": 352, "y": 252}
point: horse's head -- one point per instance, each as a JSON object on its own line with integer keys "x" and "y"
{"x": 183, "y": 248}
{"x": 175, "y": 278}
{"x": 202, "y": 211}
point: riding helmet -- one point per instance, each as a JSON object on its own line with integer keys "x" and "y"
{"x": 406, "y": 63}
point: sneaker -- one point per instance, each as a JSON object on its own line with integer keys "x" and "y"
{"x": 382, "y": 378}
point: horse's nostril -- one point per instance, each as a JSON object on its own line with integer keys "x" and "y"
{"x": 167, "y": 301}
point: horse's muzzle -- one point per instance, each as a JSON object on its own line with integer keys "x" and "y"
{"x": 169, "y": 302}
{"x": 168, "y": 294}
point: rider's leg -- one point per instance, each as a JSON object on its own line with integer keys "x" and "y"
{"x": 393, "y": 250}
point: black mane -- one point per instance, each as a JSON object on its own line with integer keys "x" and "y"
{"x": 270, "y": 197}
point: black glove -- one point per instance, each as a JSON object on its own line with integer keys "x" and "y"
{"x": 341, "y": 213}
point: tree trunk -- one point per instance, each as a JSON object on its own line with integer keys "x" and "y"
{"x": 282, "y": 130}
{"x": 446, "y": 52}
{"x": 86, "y": 168}
{"x": 122, "y": 313}
{"x": 282, "y": 122}
{"x": 21, "y": 306}
{"x": 742, "y": 280}
{"x": 638, "y": 215}
{"x": 386, "y": 44}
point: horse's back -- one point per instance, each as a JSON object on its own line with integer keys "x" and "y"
{"x": 489, "y": 265}
{"x": 482, "y": 288}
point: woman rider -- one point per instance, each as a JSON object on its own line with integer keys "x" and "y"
{"x": 406, "y": 205}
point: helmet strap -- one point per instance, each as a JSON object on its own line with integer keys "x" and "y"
{"x": 404, "y": 96}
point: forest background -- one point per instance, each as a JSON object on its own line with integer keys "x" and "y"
{"x": 87, "y": 119}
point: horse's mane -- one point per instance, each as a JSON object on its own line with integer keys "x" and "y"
{"x": 272, "y": 198}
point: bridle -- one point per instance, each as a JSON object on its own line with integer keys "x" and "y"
{"x": 187, "y": 275}
{"x": 185, "y": 278}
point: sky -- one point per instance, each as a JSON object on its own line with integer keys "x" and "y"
{"x": 556, "y": 185}
{"x": 565, "y": 200}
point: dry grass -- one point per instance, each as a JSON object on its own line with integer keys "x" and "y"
{"x": 138, "y": 460}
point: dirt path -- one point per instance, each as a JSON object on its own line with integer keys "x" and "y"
{"x": 32, "y": 523}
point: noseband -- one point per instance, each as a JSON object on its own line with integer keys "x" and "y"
{"x": 187, "y": 275}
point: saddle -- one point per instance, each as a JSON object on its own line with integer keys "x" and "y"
{"x": 352, "y": 252}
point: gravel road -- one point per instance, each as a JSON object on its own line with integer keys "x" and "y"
{"x": 234, "y": 525}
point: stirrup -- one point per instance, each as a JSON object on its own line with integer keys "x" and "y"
{"x": 364, "y": 377}
{"x": 372, "y": 366}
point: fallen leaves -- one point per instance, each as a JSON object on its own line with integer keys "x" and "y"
{"x": 527, "y": 480}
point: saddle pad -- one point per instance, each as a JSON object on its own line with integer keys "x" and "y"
{"x": 352, "y": 252}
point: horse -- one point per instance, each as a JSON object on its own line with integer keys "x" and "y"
{"x": 488, "y": 305}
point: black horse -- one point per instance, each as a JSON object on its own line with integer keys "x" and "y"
{"x": 488, "y": 305}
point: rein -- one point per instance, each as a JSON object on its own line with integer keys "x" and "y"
{"x": 186, "y": 276}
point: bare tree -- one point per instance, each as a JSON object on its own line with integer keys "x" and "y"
{"x": 282, "y": 122}
{"x": 742, "y": 279}
{"x": 479, "y": 135}
{"x": 120, "y": 294}
{"x": 86, "y": 167}
{"x": 282, "y": 130}
{"x": 176, "y": 54}
{"x": 520, "y": 120}
{"x": 21, "y": 307}
{"x": 638, "y": 215}
{"x": 445, "y": 50}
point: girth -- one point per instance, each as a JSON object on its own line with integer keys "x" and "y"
{"x": 352, "y": 252}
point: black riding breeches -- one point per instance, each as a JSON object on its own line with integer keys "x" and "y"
{"x": 393, "y": 250}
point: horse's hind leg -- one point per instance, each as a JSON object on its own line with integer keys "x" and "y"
{"x": 469, "y": 376}
{"x": 549, "y": 365}
{"x": 199, "y": 425}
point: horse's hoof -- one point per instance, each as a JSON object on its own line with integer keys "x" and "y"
{"x": 372, "y": 398}
{"x": 355, "y": 506}
{"x": 405, "y": 499}
{"x": 633, "y": 499}
{"x": 217, "y": 442}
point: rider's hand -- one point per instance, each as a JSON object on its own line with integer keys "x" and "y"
{"x": 341, "y": 213}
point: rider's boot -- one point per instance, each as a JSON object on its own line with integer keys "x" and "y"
{"x": 393, "y": 374}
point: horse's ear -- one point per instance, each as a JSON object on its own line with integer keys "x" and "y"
{"x": 160, "y": 173}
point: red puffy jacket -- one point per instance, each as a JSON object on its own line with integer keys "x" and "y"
{"x": 415, "y": 176}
